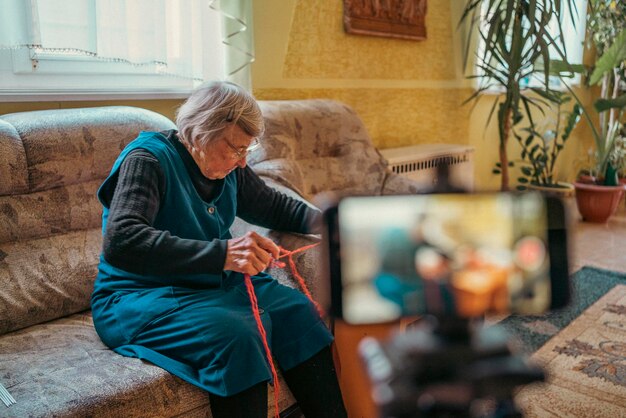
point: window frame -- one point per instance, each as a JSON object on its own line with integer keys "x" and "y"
{"x": 536, "y": 79}
{"x": 28, "y": 73}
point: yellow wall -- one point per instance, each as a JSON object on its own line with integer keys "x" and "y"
{"x": 406, "y": 92}
{"x": 401, "y": 89}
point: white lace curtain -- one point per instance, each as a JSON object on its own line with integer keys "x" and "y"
{"x": 193, "y": 39}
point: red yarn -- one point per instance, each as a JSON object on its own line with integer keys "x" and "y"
{"x": 257, "y": 314}
{"x": 294, "y": 271}
{"x": 268, "y": 352}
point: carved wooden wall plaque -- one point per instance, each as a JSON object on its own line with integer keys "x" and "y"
{"x": 389, "y": 18}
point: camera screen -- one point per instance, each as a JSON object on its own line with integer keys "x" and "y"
{"x": 461, "y": 255}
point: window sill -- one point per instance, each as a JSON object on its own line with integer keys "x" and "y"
{"x": 496, "y": 92}
{"x": 89, "y": 95}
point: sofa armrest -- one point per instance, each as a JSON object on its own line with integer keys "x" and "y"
{"x": 307, "y": 262}
{"x": 395, "y": 184}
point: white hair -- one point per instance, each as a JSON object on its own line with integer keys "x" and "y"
{"x": 212, "y": 107}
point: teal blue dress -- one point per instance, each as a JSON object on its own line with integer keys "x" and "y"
{"x": 200, "y": 327}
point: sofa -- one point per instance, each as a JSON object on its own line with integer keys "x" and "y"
{"x": 51, "y": 164}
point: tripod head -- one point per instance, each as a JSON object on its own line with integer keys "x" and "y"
{"x": 446, "y": 367}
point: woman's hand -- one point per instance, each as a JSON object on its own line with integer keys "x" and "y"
{"x": 250, "y": 254}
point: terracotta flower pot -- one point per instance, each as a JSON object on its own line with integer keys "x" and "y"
{"x": 587, "y": 179}
{"x": 597, "y": 203}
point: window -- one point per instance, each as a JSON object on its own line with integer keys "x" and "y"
{"x": 574, "y": 38}
{"x": 134, "y": 48}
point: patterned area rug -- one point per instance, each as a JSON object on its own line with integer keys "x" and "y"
{"x": 584, "y": 354}
{"x": 588, "y": 285}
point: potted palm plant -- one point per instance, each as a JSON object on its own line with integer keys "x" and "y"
{"x": 598, "y": 193}
{"x": 516, "y": 44}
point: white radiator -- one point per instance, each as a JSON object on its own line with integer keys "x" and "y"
{"x": 420, "y": 162}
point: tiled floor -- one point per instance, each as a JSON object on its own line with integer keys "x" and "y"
{"x": 599, "y": 245}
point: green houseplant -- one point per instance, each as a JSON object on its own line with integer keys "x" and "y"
{"x": 517, "y": 44}
{"x": 599, "y": 192}
{"x": 607, "y": 30}
{"x": 543, "y": 142}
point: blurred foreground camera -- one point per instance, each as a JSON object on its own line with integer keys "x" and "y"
{"x": 447, "y": 259}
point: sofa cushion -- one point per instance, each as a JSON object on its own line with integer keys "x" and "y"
{"x": 61, "y": 368}
{"x": 398, "y": 185}
{"x": 329, "y": 143}
{"x": 67, "y": 146}
{"x": 50, "y": 212}
{"x": 47, "y": 278}
{"x": 349, "y": 173}
{"x": 13, "y": 170}
{"x": 283, "y": 171}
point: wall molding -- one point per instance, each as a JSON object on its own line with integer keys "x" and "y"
{"x": 299, "y": 83}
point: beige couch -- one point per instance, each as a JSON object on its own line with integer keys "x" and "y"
{"x": 51, "y": 164}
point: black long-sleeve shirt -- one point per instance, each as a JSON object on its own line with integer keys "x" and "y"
{"x": 133, "y": 244}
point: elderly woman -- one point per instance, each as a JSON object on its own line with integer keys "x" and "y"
{"x": 170, "y": 287}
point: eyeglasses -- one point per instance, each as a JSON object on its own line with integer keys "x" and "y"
{"x": 242, "y": 154}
